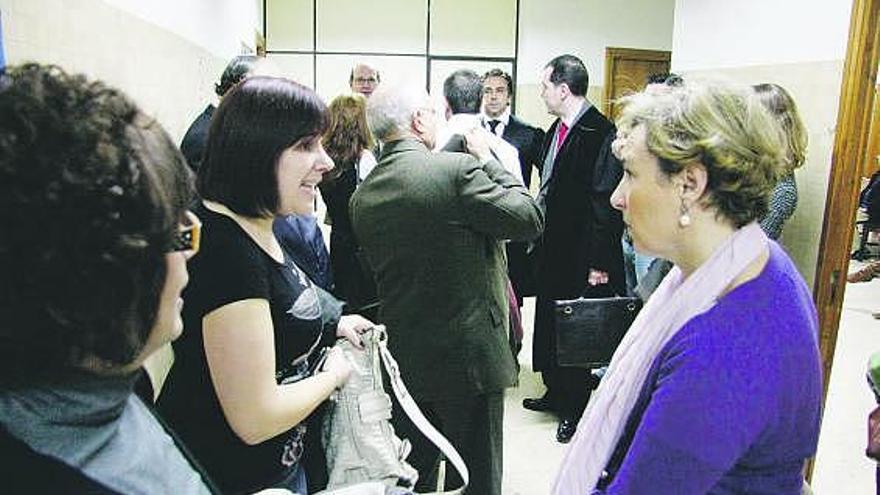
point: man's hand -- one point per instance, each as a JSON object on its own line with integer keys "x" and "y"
{"x": 477, "y": 142}
{"x": 597, "y": 278}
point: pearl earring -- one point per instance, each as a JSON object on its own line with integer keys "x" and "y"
{"x": 684, "y": 219}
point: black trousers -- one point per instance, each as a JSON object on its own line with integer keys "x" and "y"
{"x": 474, "y": 426}
{"x": 569, "y": 389}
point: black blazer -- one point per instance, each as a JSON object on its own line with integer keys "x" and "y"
{"x": 527, "y": 140}
{"x": 582, "y": 230}
{"x": 196, "y": 138}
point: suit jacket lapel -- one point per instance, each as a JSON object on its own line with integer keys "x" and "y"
{"x": 577, "y": 130}
{"x": 510, "y": 129}
{"x": 548, "y": 144}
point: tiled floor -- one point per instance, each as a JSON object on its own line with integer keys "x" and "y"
{"x": 532, "y": 454}
{"x": 841, "y": 465}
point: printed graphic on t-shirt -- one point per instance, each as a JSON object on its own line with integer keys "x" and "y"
{"x": 293, "y": 446}
{"x": 306, "y": 307}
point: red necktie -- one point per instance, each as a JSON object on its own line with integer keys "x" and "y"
{"x": 562, "y": 131}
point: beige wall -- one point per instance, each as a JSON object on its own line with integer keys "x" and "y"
{"x": 165, "y": 55}
{"x": 804, "y": 54}
{"x": 725, "y": 34}
{"x": 169, "y": 70}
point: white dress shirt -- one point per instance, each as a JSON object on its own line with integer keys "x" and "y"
{"x": 365, "y": 165}
{"x": 502, "y": 119}
{"x": 461, "y": 123}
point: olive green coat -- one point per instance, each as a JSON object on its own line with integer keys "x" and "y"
{"x": 431, "y": 226}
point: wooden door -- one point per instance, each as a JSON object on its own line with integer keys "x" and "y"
{"x": 627, "y": 71}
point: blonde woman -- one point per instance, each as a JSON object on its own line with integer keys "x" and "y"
{"x": 716, "y": 388}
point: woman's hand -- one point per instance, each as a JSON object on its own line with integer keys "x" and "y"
{"x": 338, "y": 366}
{"x": 351, "y": 327}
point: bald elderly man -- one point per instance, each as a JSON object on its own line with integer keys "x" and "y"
{"x": 432, "y": 227}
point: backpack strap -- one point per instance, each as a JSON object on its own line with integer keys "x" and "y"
{"x": 415, "y": 414}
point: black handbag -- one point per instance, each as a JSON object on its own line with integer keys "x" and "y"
{"x": 589, "y": 330}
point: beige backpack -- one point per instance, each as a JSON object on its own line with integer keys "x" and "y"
{"x": 364, "y": 456}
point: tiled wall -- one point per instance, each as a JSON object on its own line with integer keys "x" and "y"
{"x": 170, "y": 78}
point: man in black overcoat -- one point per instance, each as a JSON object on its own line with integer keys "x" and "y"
{"x": 579, "y": 252}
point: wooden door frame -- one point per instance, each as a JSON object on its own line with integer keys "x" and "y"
{"x": 613, "y": 54}
{"x": 841, "y": 203}
{"x": 850, "y": 146}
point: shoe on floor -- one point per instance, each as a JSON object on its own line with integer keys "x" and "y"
{"x": 565, "y": 430}
{"x": 540, "y": 404}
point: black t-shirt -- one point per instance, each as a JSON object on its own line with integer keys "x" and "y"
{"x": 231, "y": 267}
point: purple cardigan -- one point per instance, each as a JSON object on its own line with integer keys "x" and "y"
{"x": 732, "y": 402}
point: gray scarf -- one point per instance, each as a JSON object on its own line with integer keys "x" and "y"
{"x": 97, "y": 425}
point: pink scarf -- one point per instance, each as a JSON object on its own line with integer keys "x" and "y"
{"x": 675, "y": 302}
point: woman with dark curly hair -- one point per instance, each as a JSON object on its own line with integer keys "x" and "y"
{"x": 348, "y": 142}
{"x": 241, "y": 389}
{"x": 96, "y": 235}
{"x": 717, "y": 385}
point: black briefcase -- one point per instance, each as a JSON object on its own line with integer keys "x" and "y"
{"x": 589, "y": 330}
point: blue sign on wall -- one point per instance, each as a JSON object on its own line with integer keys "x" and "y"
{"x": 2, "y": 52}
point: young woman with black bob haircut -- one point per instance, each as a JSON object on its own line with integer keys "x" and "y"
{"x": 96, "y": 234}
{"x": 239, "y": 393}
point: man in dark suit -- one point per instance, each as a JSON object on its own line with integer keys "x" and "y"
{"x": 431, "y": 226}
{"x": 527, "y": 139}
{"x": 462, "y": 91}
{"x": 579, "y": 252}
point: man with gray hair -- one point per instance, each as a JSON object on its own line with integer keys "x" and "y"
{"x": 463, "y": 92}
{"x": 431, "y": 226}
